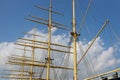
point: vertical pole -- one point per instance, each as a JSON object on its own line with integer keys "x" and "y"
{"x": 74, "y": 39}
{"x": 49, "y": 40}
{"x": 23, "y": 61}
{"x": 33, "y": 53}
{"x": 31, "y": 69}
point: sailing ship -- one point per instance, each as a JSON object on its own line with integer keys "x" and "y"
{"x": 37, "y": 61}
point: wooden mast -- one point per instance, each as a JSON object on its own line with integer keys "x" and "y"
{"x": 23, "y": 61}
{"x": 49, "y": 40}
{"x": 33, "y": 54}
{"x": 74, "y": 34}
{"x": 36, "y": 44}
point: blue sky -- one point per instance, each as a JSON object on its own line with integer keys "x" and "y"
{"x": 13, "y": 12}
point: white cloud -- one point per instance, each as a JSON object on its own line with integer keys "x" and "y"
{"x": 6, "y": 49}
{"x": 101, "y": 57}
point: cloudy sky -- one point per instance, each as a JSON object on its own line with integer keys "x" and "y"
{"x": 99, "y": 58}
{"x": 104, "y": 54}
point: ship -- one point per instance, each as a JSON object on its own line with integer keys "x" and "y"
{"x": 42, "y": 58}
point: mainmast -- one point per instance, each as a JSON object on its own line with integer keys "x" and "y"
{"x": 74, "y": 34}
{"x": 49, "y": 40}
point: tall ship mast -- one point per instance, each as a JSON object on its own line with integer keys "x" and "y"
{"x": 46, "y": 68}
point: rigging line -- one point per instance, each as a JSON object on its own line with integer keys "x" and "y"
{"x": 97, "y": 20}
{"x": 79, "y": 11}
{"x": 84, "y": 61}
{"x": 64, "y": 75}
{"x": 57, "y": 71}
{"x": 85, "y": 15}
{"x": 90, "y": 67}
{"x": 66, "y": 63}
{"x": 42, "y": 70}
{"x": 104, "y": 25}
{"x": 88, "y": 31}
{"x": 111, "y": 37}
{"x": 115, "y": 34}
{"x": 71, "y": 39}
{"x": 54, "y": 71}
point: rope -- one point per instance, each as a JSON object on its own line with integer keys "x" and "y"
{"x": 55, "y": 72}
{"x": 90, "y": 67}
{"x": 115, "y": 33}
{"x": 85, "y": 15}
{"x": 117, "y": 38}
{"x": 93, "y": 41}
{"x": 42, "y": 70}
{"x": 89, "y": 35}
